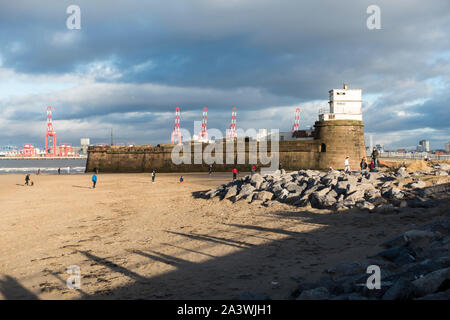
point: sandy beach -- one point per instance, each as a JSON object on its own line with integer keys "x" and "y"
{"x": 136, "y": 240}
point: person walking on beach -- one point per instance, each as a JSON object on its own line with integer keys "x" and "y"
{"x": 375, "y": 155}
{"x": 153, "y": 176}
{"x": 59, "y": 170}
{"x": 181, "y": 179}
{"x": 347, "y": 165}
{"x": 235, "y": 172}
{"x": 94, "y": 181}
{"x": 27, "y": 179}
{"x": 39, "y": 171}
{"x": 252, "y": 170}
{"x": 210, "y": 170}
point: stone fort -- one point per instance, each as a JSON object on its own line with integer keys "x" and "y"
{"x": 339, "y": 132}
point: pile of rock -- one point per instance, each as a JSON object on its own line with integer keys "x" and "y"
{"x": 374, "y": 191}
{"x": 414, "y": 265}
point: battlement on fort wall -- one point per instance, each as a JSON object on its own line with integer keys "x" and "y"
{"x": 333, "y": 141}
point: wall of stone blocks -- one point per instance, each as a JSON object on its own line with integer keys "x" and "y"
{"x": 341, "y": 137}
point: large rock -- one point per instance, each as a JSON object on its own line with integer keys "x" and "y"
{"x": 365, "y": 205}
{"x": 355, "y": 196}
{"x": 418, "y": 184}
{"x": 246, "y": 190}
{"x": 347, "y": 269}
{"x": 321, "y": 201}
{"x": 282, "y": 195}
{"x": 419, "y": 238}
{"x": 395, "y": 253}
{"x": 213, "y": 193}
{"x": 232, "y": 191}
{"x": 341, "y": 187}
{"x": 392, "y": 193}
{"x": 320, "y": 293}
{"x": 401, "y": 173}
{"x": 431, "y": 282}
{"x": 263, "y": 196}
{"x": 256, "y": 180}
{"x": 402, "y": 289}
{"x": 292, "y": 198}
{"x": 294, "y": 188}
{"x": 441, "y": 173}
{"x": 311, "y": 173}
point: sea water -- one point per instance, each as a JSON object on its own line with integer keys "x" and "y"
{"x": 46, "y": 166}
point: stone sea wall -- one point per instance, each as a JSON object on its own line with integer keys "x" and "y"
{"x": 333, "y": 141}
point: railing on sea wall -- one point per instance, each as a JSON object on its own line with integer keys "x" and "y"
{"x": 413, "y": 156}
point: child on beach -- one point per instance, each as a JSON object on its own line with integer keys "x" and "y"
{"x": 153, "y": 176}
{"x": 94, "y": 181}
{"x": 181, "y": 179}
{"x": 347, "y": 165}
{"x": 363, "y": 164}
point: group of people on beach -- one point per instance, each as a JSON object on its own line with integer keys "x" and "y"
{"x": 363, "y": 164}
{"x": 373, "y": 163}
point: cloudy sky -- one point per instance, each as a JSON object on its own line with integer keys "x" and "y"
{"x": 133, "y": 62}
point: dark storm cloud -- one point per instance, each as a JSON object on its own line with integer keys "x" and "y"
{"x": 250, "y": 54}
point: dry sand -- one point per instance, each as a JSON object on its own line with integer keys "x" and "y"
{"x": 136, "y": 240}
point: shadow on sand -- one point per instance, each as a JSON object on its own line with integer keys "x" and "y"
{"x": 285, "y": 255}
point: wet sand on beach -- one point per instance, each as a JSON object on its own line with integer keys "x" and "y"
{"x": 136, "y": 240}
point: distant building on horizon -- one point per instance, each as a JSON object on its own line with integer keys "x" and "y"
{"x": 447, "y": 147}
{"x": 424, "y": 146}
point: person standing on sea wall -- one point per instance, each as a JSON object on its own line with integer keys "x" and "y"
{"x": 94, "y": 180}
{"x": 153, "y": 176}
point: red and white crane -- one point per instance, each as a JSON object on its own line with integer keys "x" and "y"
{"x": 176, "y": 127}
{"x": 296, "y": 120}
{"x": 231, "y": 133}
{"x": 203, "y": 135}
{"x": 50, "y": 136}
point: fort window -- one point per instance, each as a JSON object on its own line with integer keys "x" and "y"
{"x": 323, "y": 147}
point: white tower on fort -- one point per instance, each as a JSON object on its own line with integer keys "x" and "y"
{"x": 344, "y": 104}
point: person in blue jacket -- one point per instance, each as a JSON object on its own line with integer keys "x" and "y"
{"x": 94, "y": 180}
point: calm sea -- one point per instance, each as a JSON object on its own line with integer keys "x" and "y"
{"x": 48, "y": 166}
